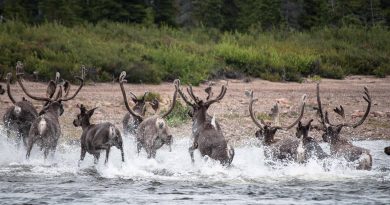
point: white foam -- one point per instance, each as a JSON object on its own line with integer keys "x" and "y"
{"x": 248, "y": 164}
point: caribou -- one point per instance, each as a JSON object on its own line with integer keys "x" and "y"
{"x": 45, "y": 129}
{"x": 153, "y": 132}
{"x": 97, "y": 137}
{"x": 276, "y": 149}
{"x": 206, "y": 131}
{"x": 130, "y": 122}
{"x": 308, "y": 148}
{"x": 19, "y": 117}
{"x": 341, "y": 147}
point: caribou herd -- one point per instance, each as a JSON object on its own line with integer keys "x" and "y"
{"x": 152, "y": 132}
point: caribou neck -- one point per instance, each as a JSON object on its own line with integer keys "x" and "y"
{"x": 200, "y": 117}
{"x": 85, "y": 125}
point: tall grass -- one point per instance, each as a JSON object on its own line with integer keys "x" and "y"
{"x": 152, "y": 55}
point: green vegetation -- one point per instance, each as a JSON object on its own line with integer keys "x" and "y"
{"x": 179, "y": 115}
{"x": 153, "y": 54}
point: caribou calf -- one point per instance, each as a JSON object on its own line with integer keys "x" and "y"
{"x": 97, "y": 137}
{"x": 308, "y": 147}
{"x": 208, "y": 136}
{"x": 153, "y": 132}
{"x": 283, "y": 149}
{"x": 341, "y": 147}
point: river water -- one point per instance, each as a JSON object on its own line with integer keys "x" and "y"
{"x": 172, "y": 179}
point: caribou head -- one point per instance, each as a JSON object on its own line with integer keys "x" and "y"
{"x": 267, "y": 131}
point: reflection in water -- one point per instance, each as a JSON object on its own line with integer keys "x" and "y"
{"x": 171, "y": 178}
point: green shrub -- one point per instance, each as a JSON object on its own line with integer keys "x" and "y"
{"x": 179, "y": 115}
{"x": 155, "y": 54}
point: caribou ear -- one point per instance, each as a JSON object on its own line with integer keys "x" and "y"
{"x": 90, "y": 112}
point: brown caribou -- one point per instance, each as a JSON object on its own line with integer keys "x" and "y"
{"x": 153, "y": 132}
{"x": 308, "y": 147}
{"x": 130, "y": 122}
{"x": 341, "y": 147}
{"x": 18, "y": 117}
{"x": 206, "y": 131}
{"x": 276, "y": 149}
{"x": 46, "y": 129}
{"x": 97, "y": 137}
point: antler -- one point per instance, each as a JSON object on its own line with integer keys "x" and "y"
{"x": 367, "y": 98}
{"x": 209, "y": 92}
{"x": 259, "y": 124}
{"x": 192, "y": 95}
{"x": 175, "y": 82}
{"x": 302, "y": 110}
{"x": 75, "y": 94}
{"x": 121, "y": 81}
{"x": 134, "y": 97}
{"x": 340, "y": 111}
{"x": 219, "y": 97}
{"x": 143, "y": 97}
{"x": 319, "y": 109}
{"x": 18, "y": 78}
{"x": 183, "y": 96}
{"x": 66, "y": 88}
{"x": 8, "y": 78}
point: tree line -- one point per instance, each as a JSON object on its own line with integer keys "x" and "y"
{"x": 225, "y": 15}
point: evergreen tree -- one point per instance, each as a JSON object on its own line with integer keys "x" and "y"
{"x": 315, "y": 13}
{"x": 165, "y": 12}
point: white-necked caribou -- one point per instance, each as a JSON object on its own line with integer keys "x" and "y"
{"x": 207, "y": 133}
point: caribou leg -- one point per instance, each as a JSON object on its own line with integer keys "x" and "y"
{"x": 122, "y": 154}
{"x": 191, "y": 151}
{"x": 96, "y": 156}
{"x": 139, "y": 146}
{"x": 29, "y": 146}
{"x": 107, "y": 154}
{"x": 82, "y": 155}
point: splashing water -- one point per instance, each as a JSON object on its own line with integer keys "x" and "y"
{"x": 171, "y": 178}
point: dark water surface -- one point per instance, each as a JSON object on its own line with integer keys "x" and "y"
{"x": 172, "y": 179}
